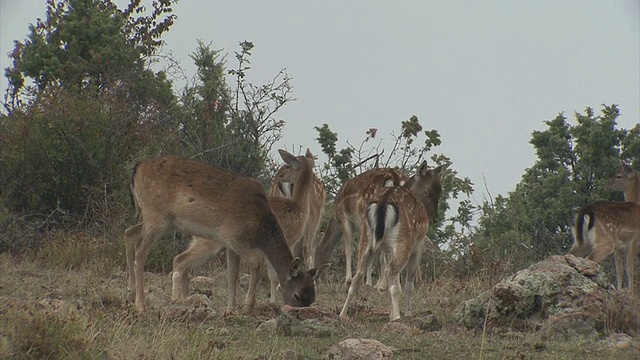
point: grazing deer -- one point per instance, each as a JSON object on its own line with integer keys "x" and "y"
{"x": 281, "y": 188}
{"x": 291, "y": 214}
{"x": 602, "y": 228}
{"x": 396, "y": 224}
{"x": 177, "y": 194}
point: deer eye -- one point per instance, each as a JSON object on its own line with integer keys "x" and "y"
{"x": 296, "y": 297}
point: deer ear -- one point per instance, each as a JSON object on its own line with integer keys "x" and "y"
{"x": 296, "y": 267}
{"x": 289, "y": 158}
{"x": 309, "y": 154}
{"x": 440, "y": 169}
{"x": 423, "y": 169}
{"x": 315, "y": 273}
{"x": 626, "y": 168}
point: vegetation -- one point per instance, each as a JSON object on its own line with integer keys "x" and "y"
{"x": 86, "y": 101}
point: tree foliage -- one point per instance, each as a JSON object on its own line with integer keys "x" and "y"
{"x": 406, "y": 155}
{"x": 574, "y": 162}
{"x": 81, "y": 101}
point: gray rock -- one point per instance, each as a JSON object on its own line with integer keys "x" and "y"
{"x": 359, "y": 349}
{"x": 563, "y": 295}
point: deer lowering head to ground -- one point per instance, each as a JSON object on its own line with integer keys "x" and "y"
{"x": 602, "y": 228}
{"x": 292, "y": 215}
{"x": 396, "y": 223}
{"x": 177, "y": 194}
{"x": 349, "y": 205}
{"x": 316, "y": 193}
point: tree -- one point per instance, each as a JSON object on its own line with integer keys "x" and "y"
{"x": 82, "y": 104}
{"x": 574, "y": 162}
{"x": 232, "y": 126}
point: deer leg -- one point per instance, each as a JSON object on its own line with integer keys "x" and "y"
{"x": 617, "y": 256}
{"x": 273, "y": 280}
{"x": 393, "y": 277}
{"x": 383, "y": 282}
{"x": 364, "y": 261}
{"x": 198, "y": 250}
{"x": 327, "y": 243}
{"x": 601, "y": 250}
{"x": 347, "y": 236}
{"x": 355, "y": 283}
{"x": 250, "y": 298}
{"x": 630, "y": 264}
{"x": 132, "y": 236}
{"x": 233, "y": 269}
{"x": 413, "y": 266}
{"x": 149, "y": 236}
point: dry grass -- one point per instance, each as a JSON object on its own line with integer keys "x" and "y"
{"x": 67, "y": 301}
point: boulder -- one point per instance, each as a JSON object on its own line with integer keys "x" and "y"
{"x": 359, "y": 349}
{"x": 562, "y": 294}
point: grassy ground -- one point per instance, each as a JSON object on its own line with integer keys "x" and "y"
{"x": 67, "y": 301}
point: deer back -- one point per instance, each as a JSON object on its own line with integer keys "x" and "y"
{"x": 356, "y": 194}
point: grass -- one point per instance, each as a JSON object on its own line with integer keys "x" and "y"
{"x": 67, "y": 301}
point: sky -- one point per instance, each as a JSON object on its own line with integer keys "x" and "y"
{"x": 485, "y": 74}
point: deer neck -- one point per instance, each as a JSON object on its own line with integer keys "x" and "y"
{"x": 301, "y": 188}
{"x": 277, "y": 252}
{"x": 633, "y": 193}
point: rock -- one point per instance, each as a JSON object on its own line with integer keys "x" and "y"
{"x": 359, "y": 349}
{"x": 423, "y": 321}
{"x": 287, "y": 324}
{"x": 565, "y": 295}
{"x": 400, "y": 328}
{"x": 620, "y": 341}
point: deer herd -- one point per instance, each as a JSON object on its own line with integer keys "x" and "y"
{"x": 390, "y": 210}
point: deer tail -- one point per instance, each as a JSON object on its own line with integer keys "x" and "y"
{"x": 585, "y": 220}
{"x": 381, "y": 218}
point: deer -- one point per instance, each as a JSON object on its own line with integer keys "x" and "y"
{"x": 602, "y": 228}
{"x": 292, "y": 215}
{"x": 281, "y": 188}
{"x": 395, "y": 223}
{"x": 172, "y": 193}
{"x": 349, "y": 205}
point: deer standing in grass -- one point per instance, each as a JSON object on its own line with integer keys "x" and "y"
{"x": 292, "y": 215}
{"x": 603, "y": 228}
{"x": 177, "y": 194}
{"x": 395, "y": 223}
{"x": 349, "y": 205}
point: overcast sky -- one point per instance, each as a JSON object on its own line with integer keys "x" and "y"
{"x": 485, "y": 74}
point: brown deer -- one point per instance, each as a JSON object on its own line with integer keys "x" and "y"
{"x": 177, "y": 194}
{"x": 396, "y": 224}
{"x": 602, "y": 228}
{"x": 292, "y": 215}
{"x": 281, "y": 188}
{"x": 349, "y": 205}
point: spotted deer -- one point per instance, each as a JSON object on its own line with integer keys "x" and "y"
{"x": 281, "y": 188}
{"x": 177, "y": 194}
{"x": 349, "y": 205}
{"x": 602, "y": 228}
{"x": 292, "y": 215}
{"x": 396, "y": 222}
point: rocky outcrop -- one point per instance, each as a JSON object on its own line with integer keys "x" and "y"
{"x": 563, "y": 295}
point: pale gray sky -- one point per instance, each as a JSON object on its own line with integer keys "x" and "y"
{"x": 485, "y": 74}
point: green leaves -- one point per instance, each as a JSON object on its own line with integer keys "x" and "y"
{"x": 574, "y": 161}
